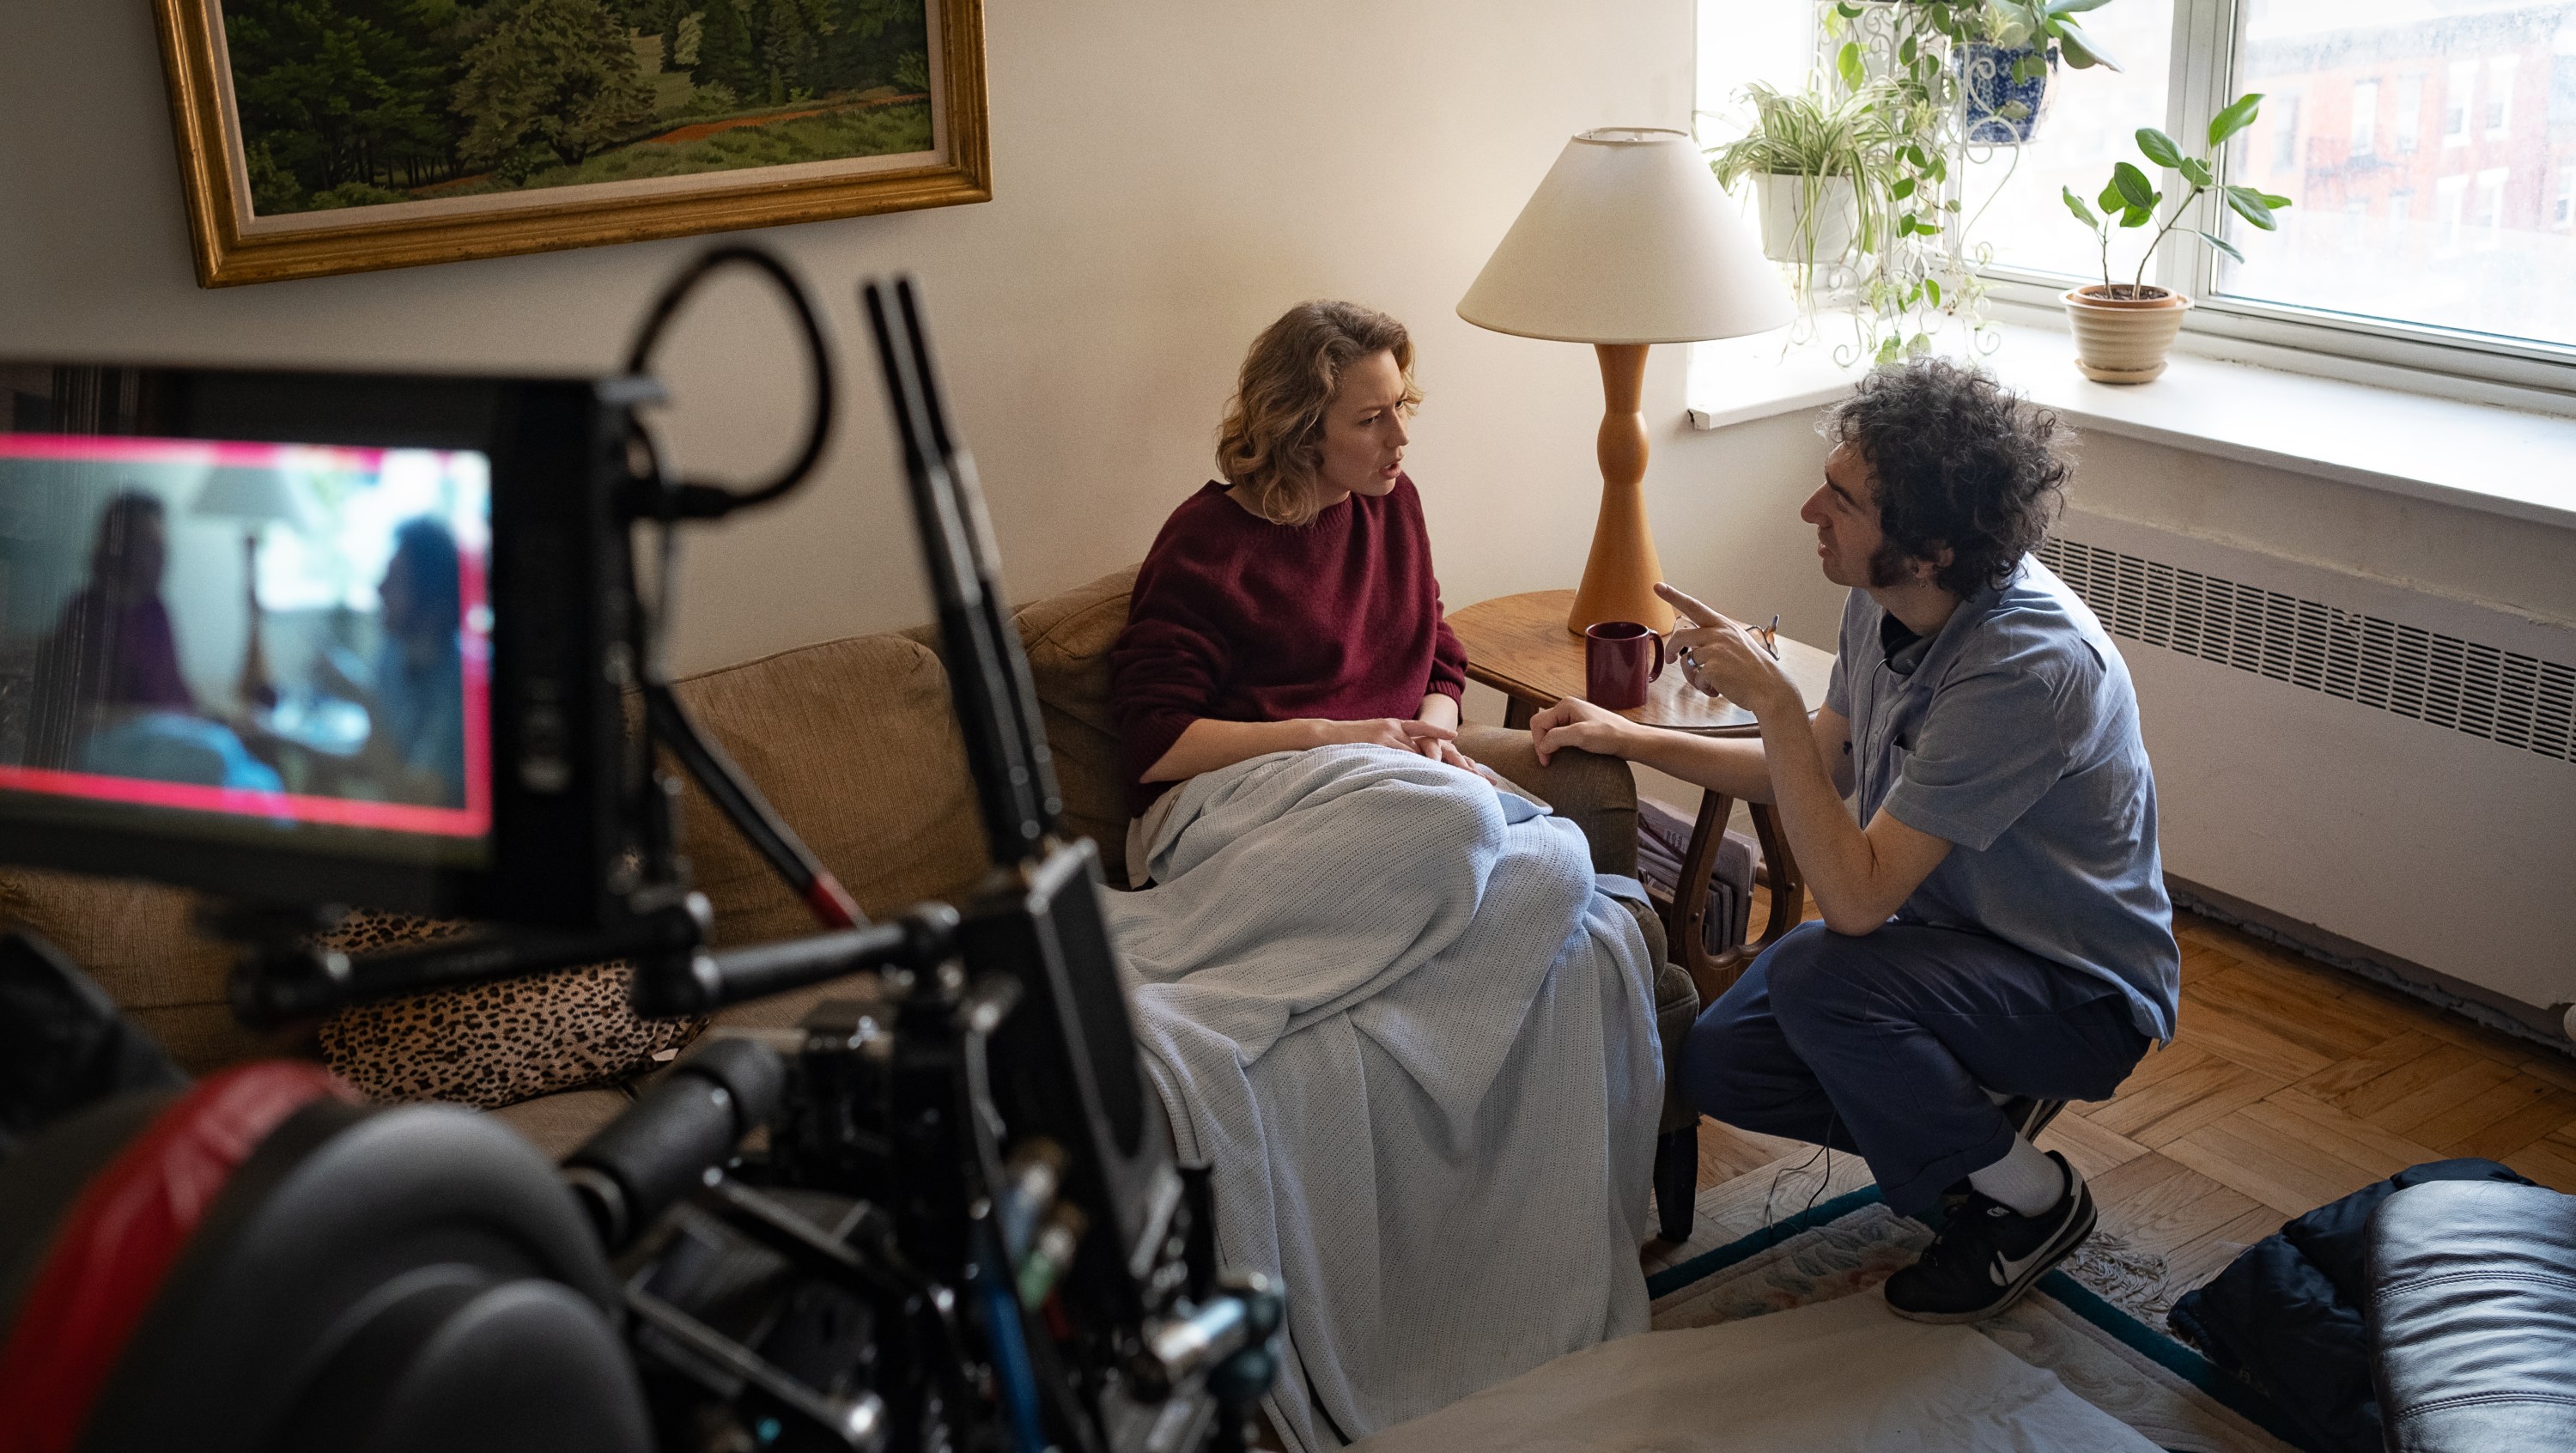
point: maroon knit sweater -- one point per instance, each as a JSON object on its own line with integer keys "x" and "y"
{"x": 1240, "y": 619}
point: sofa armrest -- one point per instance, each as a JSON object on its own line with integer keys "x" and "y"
{"x": 2472, "y": 1317}
{"x": 1597, "y": 794}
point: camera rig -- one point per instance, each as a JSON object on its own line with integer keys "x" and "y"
{"x": 944, "y": 1213}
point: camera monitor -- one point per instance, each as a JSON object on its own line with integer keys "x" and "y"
{"x": 265, "y": 634}
{"x": 227, "y": 639}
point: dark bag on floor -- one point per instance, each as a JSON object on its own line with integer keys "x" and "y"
{"x": 1663, "y": 839}
{"x": 2286, "y": 1314}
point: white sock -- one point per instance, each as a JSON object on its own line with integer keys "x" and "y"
{"x": 2025, "y": 1179}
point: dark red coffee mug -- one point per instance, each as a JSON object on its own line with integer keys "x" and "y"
{"x": 1620, "y": 660}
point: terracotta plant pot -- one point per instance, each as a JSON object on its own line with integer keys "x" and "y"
{"x": 2122, "y": 340}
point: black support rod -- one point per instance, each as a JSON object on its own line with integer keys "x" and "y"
{"x": 994, "y": 707}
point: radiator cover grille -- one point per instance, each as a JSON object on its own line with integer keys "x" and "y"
{"x": 2464, "y": 686}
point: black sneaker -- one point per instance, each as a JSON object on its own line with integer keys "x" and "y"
{"x": 1988, "y": 1255}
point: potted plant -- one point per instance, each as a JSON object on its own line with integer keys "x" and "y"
{"x": 1816, "y": 163}
{"x": 2123, "y": 330}
{"x": 2004, "y": 60}
{"x": 1911, "y": 275}
{"x": 1915, "y": 270}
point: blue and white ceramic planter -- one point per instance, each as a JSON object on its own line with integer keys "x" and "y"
{"x": 2002, "y": 111}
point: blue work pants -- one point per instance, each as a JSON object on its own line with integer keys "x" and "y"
{"x": 1884, "y": 1044}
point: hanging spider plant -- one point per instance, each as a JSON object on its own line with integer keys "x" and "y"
{"x": 1830, "y": 155}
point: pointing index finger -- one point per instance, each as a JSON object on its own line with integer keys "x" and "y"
{"x": 1698, "y": 613}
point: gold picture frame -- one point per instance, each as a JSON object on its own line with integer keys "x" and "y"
{"x": 237, "y": 243}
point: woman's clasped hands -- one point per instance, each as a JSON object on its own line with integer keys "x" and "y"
{"x": 1428, "y": 739}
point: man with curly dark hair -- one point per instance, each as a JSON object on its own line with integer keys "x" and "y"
{"x": 1996, "y": 933}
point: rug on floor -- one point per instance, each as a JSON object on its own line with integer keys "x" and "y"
{"x": 1831, "y": 1238}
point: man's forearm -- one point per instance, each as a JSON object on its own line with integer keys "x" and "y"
{"x": 1840, "y": 863}
{"x": 1733, "y": 766}
{"x": 1209, "y": 744}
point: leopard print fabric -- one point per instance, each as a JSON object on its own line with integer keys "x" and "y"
{"x": 493, "y": 1044}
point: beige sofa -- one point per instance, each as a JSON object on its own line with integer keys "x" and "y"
{"x": 854, "y": 743}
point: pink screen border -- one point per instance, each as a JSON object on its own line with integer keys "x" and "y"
{"x": 473, "y": 820}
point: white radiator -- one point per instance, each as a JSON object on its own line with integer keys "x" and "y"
{"x": 2392, "y": 767}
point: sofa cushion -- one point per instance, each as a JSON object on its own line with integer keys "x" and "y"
{"x": 1067, "y": 637}
{"x": 137, "y": 941}
{"x": 854, "y": 743}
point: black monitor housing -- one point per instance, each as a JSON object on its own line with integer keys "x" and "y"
{"x": 559, "y": 635}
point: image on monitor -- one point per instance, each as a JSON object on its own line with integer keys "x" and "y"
{"x": 248, "y": 639}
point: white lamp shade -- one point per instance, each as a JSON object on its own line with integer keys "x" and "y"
{"x": 253, "y": 496}
{"x": 1628, "y": 240}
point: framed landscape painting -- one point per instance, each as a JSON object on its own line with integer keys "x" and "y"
{"x": 329, "y": 136}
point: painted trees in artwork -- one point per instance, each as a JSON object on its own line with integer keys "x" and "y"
{"x": 556, "y": 74}
{"x": 351, "y": 102}
{"x": 725, "y": 52}
{"x": 352, "y": 93}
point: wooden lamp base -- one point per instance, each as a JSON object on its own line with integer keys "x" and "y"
{"x": 1619, "y": 577}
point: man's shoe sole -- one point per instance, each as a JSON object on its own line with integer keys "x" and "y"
{"x": 2074, "y": 1237}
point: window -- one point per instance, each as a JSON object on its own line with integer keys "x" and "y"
{"x": 2493, "y": 267}
{"x": 2490, "y": 215}
{"x": 2433, "y": 216}
{"x": 2283, "y": 119}
{"x": 2011, "y": 193}
{"x": 2451, "y": 205}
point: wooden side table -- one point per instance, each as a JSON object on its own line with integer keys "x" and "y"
{"x": 1518, "y": 644}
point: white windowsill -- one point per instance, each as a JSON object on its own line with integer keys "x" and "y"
{"x": 2476, "y": 456}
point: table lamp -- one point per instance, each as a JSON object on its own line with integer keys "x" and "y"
{"x": 1629, "y": 242}
{"x": 256, "y": 498}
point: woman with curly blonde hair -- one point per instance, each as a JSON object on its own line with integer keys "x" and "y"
{"x": 1292, "y": 604}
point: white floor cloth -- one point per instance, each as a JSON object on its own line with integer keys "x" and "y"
{"x": 1845, "y": 1376}
{"x": 1395, "y": 1012}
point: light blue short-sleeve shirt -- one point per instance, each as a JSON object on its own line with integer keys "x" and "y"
{"x": 2015, "y": 737}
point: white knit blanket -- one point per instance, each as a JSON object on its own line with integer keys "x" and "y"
{"x": 1395, "y": 1012}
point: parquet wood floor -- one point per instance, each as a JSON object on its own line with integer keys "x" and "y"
{"x": 2289, "y": 1084}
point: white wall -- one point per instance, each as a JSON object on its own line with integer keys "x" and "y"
{"x": 1168, "y": 177}
{"x": 2516, "y": 566}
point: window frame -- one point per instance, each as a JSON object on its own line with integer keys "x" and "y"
{"x": 2520, "y": 372}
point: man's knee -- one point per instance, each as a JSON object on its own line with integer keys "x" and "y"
{"x": 1809, "y": 975}
{"x": 1716, "y": 1062}
{"x": 1735, "y": 1063}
